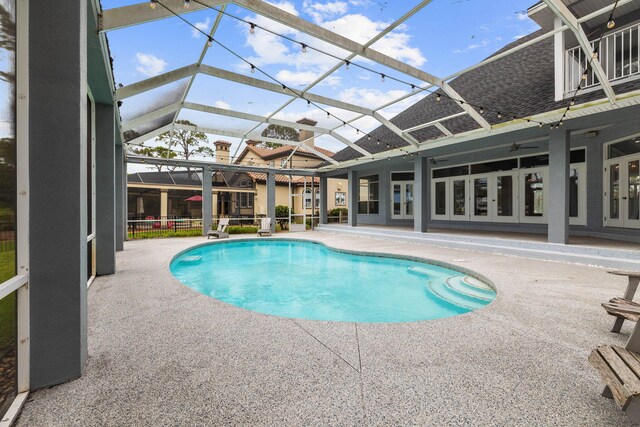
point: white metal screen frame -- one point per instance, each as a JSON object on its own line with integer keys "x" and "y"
{"x": 20, "y": 282}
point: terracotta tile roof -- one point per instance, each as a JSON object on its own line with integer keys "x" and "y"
{"x": 283, "y": 151}
{"x": 282, "y": 179}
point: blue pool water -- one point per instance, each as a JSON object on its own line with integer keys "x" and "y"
{"x": 307, "y": 280}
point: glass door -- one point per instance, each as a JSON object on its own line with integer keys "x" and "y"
{"x": 533, "y": 193}
{"x": 459, "y": 193}
{"x": 505, "y": 197}
{"x": 440, "y": 198}
{"x": 408, "y": 200}
{"x": 402, "y": 199}
{"x": 622, "y": 193}
{"x": 396, "y": 196}
{"x": 632, "y": 197}
{"x": 480, "y": 198}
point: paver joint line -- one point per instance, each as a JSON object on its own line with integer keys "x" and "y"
{"x": 325, "y": 346}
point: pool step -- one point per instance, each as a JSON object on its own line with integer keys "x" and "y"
{"x": 460, "y": 284}
{"x": 420, "y": 271}
{"x": 450, "y": 291}
{"x": 191, "y": 259}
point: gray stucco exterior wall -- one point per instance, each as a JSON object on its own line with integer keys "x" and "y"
{"x": 58, "y": 200}
{"x": 605, "y": 127}
{"x": 105, "y": 190}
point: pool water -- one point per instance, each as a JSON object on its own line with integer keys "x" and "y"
{"x": 307, "y": 280}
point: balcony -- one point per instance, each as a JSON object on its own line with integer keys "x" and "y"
{"x": 618, "y": 52}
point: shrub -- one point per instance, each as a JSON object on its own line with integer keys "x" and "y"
{"x": 156, "y": 234}
{"x": 336, "y": 211}
{"x": 282, "y": 215}
{"x": 242, "y": 229}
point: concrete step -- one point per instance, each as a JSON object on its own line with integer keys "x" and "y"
{"x": 578, "y": 254}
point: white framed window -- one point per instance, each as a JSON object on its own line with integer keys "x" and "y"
{"x": 368, "y": 196}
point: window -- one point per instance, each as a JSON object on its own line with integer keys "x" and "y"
{"x": 246, "y": 200}
{"x": 307, "y": 198}
{"x": 341, "y": 198}
{"x": 368, "y": 195}
{"x": 8, "y": 208}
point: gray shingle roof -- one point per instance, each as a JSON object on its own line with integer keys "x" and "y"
{"x": 520, "y": 84}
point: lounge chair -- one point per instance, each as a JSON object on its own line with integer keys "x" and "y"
{"x": 265, "y": 227}
{"x": 220, "y": 232}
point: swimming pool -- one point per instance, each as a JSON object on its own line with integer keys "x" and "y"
{"x": 307, "y": 280}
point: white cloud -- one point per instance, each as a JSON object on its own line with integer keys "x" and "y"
{"x": 149, "y": 65}
{"x": 320, "y": 12}
{"x": 371, "y": 98}
{"x": 223, "y": 105}
{"x": 202, "y": 26}
{"x": 362, "y": 29}
{"x": 473, "y": 46}
{"x": 519, "y": 36}
{"x": 303, "y": 78}
{"x": 521, "y": 16}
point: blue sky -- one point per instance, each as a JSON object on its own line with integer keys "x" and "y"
{"x": 444, "y": 37}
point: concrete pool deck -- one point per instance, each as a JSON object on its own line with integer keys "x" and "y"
{"x": 160, "y": 353}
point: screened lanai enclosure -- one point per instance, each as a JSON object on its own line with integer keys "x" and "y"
{"x": 466, "y": 149}
{"x": 422, "y": 116}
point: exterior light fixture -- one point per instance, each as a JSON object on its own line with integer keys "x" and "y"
{"x": 438, "y": 97}
{"x": 252, "y": 28}
{"x": 253, "y": 68}
{"x": 382, "y": 76}
{"x": 152, "y": 4}
{"x": 611, "y": 23}
{"x": 304, "y": 48}
{"x": 210, "y": 42}
{"x": 346, "y": 64}
{"x": 187, "y": 4}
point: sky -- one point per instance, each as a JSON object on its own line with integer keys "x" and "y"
{"x": 442, "y": 38}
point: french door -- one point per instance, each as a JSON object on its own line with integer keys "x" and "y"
{"x": 402, "y": 197}
{"x": 494, "y": 197}
{"x": 622, "y": 192}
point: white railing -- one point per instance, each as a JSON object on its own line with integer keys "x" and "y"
{"x": 618, "y": 53}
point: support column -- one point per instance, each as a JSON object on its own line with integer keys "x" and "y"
{"x": 105, "y": 190}
{"x": 323, "y": 199}
{"x": 164, "y": 206}
{"x": 558, "y": 184}
{"x": 271, "y": 199}
{"x": 121, "y": 198}
{"x": 353, "y": 197}
{"x": 58, "y": 214}
{"x": 207, "y": 200}
{"x": 420, "y": 195}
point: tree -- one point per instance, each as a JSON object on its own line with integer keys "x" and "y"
{"x": 279, "y": 132}
{"x": 158, "y": 151}
{"x": 178, "y": 142}
{"x": 282, "y": 216}
{"x": 190, "y": 142}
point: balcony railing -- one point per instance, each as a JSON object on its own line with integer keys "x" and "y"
{"x": 618, "y": 53}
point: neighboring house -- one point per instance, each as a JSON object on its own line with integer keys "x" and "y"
{"x": 236, "y": 194}
{"x": 506, "y": 178}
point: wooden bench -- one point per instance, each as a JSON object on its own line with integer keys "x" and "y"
{"x": 623, "y": 308}
{"x": 619, "y": 369}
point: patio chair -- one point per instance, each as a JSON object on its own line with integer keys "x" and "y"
{"x": 265, "y": 227}
{"x": 624, "y": 308}
{"x": 220, "y": 232}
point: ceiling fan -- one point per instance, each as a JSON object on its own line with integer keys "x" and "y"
{"x": 435, "y": 161}
{"x": 515, "y": 147}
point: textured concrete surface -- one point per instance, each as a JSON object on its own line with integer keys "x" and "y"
{"x": 160, "y": 353}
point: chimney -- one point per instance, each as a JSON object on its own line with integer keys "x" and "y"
{"x": 306, "y": 134}
{"x": 252, "y": 143}
{"x": 222, "y": 151}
